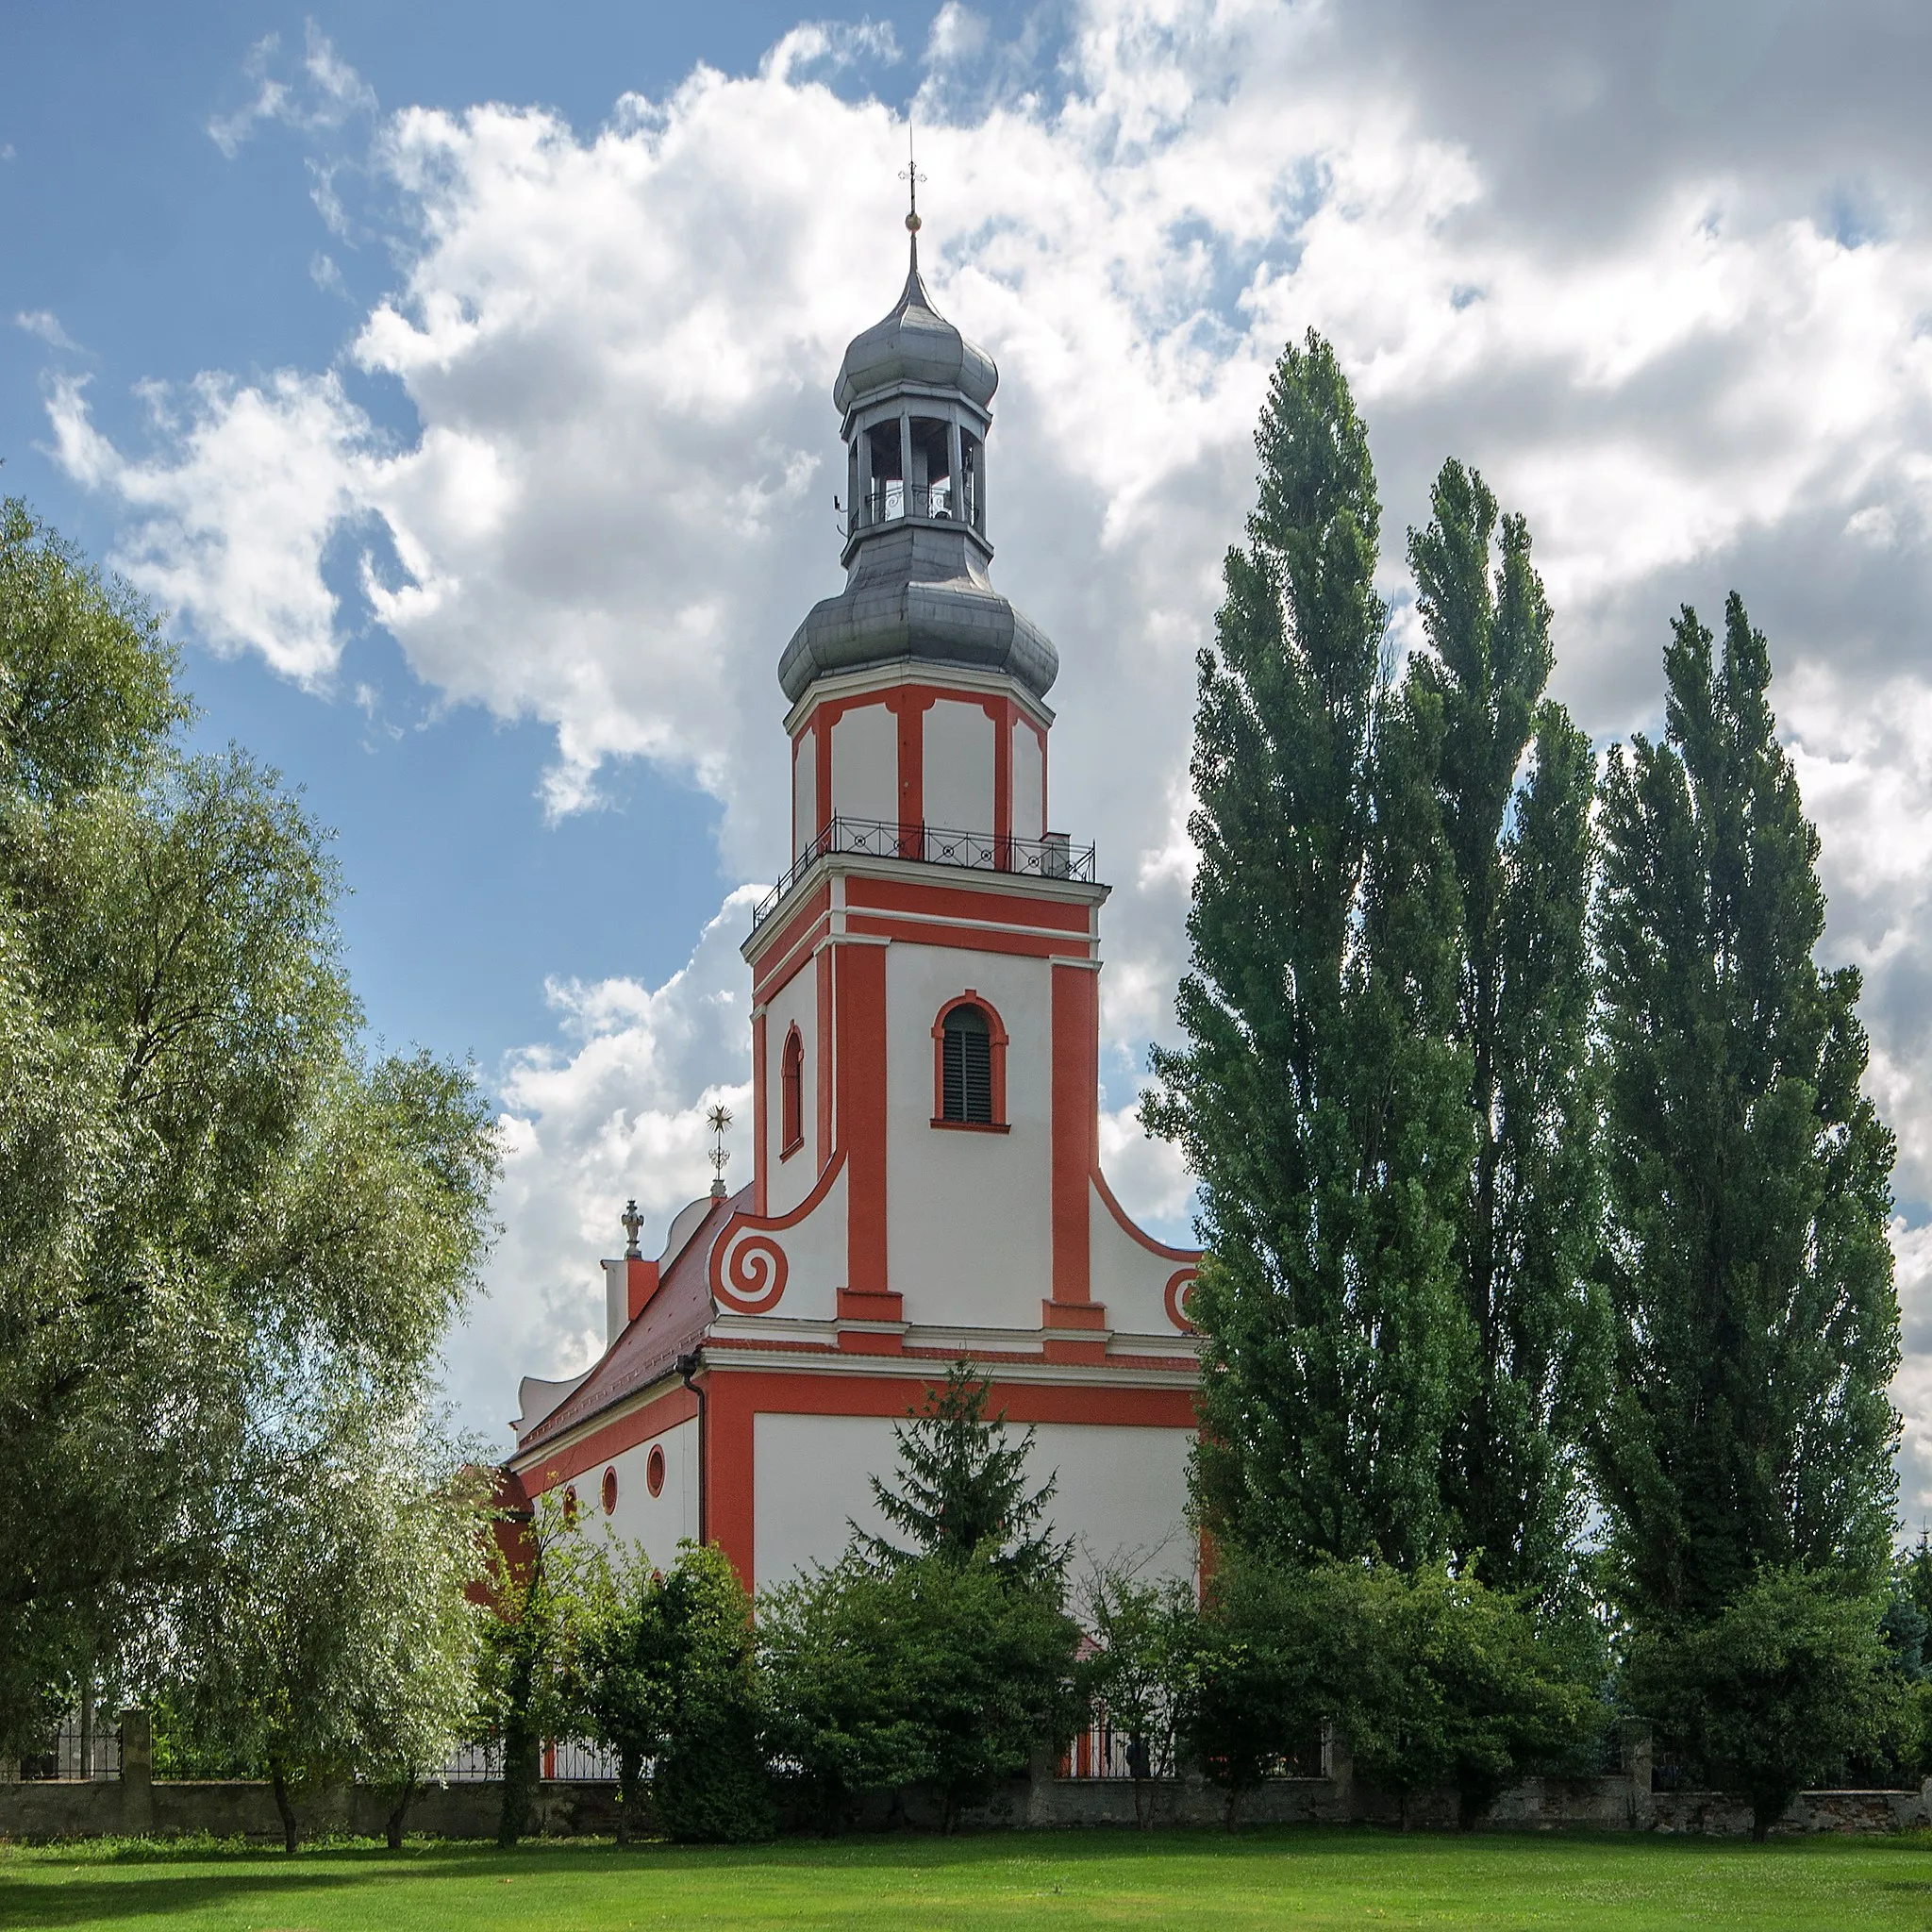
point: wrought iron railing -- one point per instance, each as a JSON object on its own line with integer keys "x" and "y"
{"x": 889, "y": 501}
{"x": 1054, "y": 857}
{"x": 77, "y": 1754}
{"x": 573, "y": 1760}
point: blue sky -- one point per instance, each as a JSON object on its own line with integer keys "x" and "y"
{"x": 456, "y": 378}
{"x": 162, "y": 257}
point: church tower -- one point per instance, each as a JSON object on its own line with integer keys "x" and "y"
{"x": 926, "y": 1178}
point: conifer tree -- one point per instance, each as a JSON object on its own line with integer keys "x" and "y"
{"x": 1748, "y": 1177}
{"x": 961, "y": 1488}
{"x": 1319, "y": 1099}
{"x": 1529, "y": 1226}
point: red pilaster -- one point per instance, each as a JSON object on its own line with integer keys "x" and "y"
{"x": 822, "y": 969}
{"x": 760, "y": 1121}
{"x": 860, "y": 976}
{"x": 1075, "y": 1126}
{"x": 821, "y": 734}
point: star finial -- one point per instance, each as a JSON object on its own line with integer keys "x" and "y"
{"x": 720, "y": 1119}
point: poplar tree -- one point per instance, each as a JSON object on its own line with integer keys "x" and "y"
{"x": 1748, "y": 1176}
{"x": 1527, "y": 1229}
{"x": 1318, "y": 1098}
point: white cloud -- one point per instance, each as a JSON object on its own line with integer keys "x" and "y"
{"x": 323, "y": 93}
{"x": 618, "y": 348}
{"x": 44, "y": 325}
{"x": 617, "y": 1110}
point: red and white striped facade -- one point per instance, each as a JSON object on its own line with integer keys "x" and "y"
{"x": 755, "y": 1370}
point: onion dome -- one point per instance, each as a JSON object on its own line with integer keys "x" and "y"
{"x": 914, "y": 344}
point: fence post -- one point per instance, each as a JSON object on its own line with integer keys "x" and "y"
{"x": 137, "y": 1773}
{"x": 1338, "y": 1763}
{"x": 1634, "y": 1741}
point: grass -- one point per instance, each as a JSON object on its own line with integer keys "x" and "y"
{"x": 1301, "y": 1878}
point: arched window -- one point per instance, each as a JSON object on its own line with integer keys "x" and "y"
{"x": 792, "y": 1096}
{"x": 970, "y": 1073}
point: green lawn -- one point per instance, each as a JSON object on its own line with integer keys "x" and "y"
{"x": 1266, "y": 1878}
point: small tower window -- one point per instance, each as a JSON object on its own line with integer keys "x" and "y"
{"x": 792, "y": 1096}
{"x": 970, "y": 1077}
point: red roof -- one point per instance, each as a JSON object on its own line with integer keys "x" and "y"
{"x": 672, "y": 1324}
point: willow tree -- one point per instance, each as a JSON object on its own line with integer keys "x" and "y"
{"x": 1320, "y": 1098}
{"x": 215, "y": 1206}
{"x": 1515, "y": 785}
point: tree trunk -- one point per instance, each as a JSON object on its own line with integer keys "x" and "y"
{"x": 287, "y": 1809}
{"x": 630, "y": 1779}
{"x": 398, "y": 1811}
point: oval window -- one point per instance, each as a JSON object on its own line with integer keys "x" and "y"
{"x": 654, "y": 1470}
{"x": 610, "y": 1491}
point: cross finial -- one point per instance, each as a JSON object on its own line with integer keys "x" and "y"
{"x": 911, "y": 176}
{"x": 720, "y": 1119}
{"x": 633, "y": 1225}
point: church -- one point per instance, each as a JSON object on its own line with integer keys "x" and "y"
{"x": 925, "y": 1076}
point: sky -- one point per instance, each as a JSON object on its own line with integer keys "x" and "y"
{"x": 456, "y": 378}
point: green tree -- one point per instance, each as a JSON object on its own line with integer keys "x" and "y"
{"x": 989, "y": 1662}
{"x": 1776, "y": 1692}
{"x": 1276, "y": 1652}
{"x": 1528, "y": 1230}
{"x": 331, "y": 1637}
{"x": 622, "y": 1663}
{"x": 1457, "y": 1685}
{"x": 1748, "y": 1176}
{"x": 548, "y": 1594}
{"x": 961, "y": 1487}
{"x": 1320, "y": 1098}
{"x": 224, "y": 1227}
{"x": 846, "y": 1685}
{"x": 712, "y": 1783}
{"x": 1145, "y": 1638}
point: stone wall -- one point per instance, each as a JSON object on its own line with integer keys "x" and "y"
{"x": 136, "y": 1804}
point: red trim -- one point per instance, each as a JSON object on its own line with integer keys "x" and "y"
{"x": 872, "y": 892}
{"x": 998, "y": 1026}
{"x": 1076, "y": 1126}
{"x": 735, "y": 1396}
{"x": 965, "y": 938}
{"x": 859, "y": 993}
{"x": 1176, "y": 1298}
{"x": 971, "y": 1127}
{"x": 822, "y": 968}
{"x": 760, "y": 1157}
{"x": 753, "y": 1290}
{"x": 655, "y": 1418}
{"x": 1127, "y": 1228}
{"x": 640, "y": 1285}
{"x": 778, "y": 960}
{"x": 908, "y": 706}
{"x": 1089, "y": 1315}
{"x": 822, "y": 731}
{"x": 1001, "y": 711}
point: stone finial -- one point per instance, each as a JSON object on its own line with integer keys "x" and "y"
{"x": 632, "y": 1223}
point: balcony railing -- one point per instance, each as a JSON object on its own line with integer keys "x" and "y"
{"x": 889, "y": 501}
{"x": 1051, "y": 857}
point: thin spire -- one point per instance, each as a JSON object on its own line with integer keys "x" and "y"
{"x": 911, "y": 176}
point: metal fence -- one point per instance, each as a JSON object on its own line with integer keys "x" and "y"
{"x": 76, "y": 1753}
{"x": 1103, "y": 1752}
{"x": 1053, "y": 858}
{"x": 573, "y": 1760}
